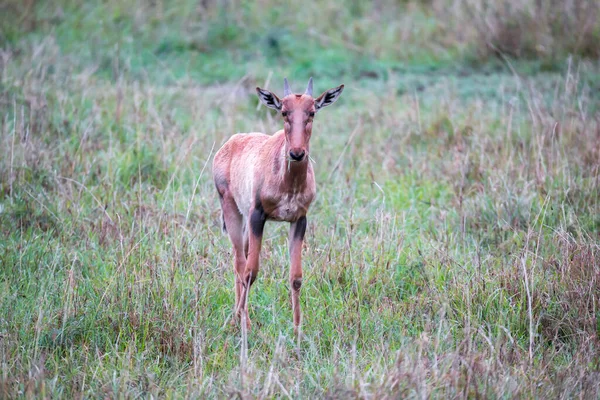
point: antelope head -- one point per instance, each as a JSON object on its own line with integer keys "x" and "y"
{"x": 298, "y": 111}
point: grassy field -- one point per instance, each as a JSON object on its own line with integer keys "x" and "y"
{"x": 453, "y": 249}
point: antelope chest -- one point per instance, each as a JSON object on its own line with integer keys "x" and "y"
{"x": 289, "y": 206}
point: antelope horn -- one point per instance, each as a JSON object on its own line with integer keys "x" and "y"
{"x": 309, "y": 87}
{"x": 286, "y": 88}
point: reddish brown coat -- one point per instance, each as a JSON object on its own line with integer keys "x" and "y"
{"x": 260, "y": 177}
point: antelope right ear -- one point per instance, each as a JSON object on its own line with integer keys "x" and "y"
{"x": 329, "y": 97}
{"x": 268, "y": 99}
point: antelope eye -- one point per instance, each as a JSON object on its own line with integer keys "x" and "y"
{"x": 311, "y": 114}
{"x": 284, "y": 113}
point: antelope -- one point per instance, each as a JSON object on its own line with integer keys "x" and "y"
{"x": 261, "y": 177}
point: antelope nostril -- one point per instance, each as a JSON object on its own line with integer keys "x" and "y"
{"x": 297, "y": 156}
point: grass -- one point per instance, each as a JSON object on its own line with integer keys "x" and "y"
{"x": 452, "y": 251}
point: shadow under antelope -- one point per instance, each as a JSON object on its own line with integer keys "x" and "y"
{"x": 261, "y": 177}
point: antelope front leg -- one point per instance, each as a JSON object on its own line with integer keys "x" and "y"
{"x": 234, "y": 226}
{"x": 256, "y": 223}
{"x": 297, "y": 230}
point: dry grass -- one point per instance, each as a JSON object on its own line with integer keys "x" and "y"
{"x": 537, "y": 29}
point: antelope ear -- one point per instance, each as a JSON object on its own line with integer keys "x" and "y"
{"x": 268, "y": 99}
{"x": 328, "y": 97}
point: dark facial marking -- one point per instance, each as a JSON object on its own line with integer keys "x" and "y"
{"x": 300, "y": 228}
{"x": 258, "y": 219}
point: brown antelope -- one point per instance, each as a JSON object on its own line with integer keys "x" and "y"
{"x": 261, "y": 177}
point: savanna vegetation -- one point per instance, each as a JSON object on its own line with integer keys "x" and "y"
{"x": 453, "y": 249}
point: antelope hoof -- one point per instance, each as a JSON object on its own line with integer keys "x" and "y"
{"x": 234, "y": 322}
{"x": 238, "y": 319}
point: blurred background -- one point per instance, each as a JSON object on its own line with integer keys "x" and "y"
{"x": 213, "y": 41}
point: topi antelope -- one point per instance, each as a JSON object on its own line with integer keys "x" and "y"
{"x": 261, "y": 177}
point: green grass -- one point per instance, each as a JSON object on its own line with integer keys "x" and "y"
{"x": 452, "y": 250}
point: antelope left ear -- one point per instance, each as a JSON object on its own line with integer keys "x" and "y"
{"x": 329, "y": 97}
{"x": 268, "y": 99}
